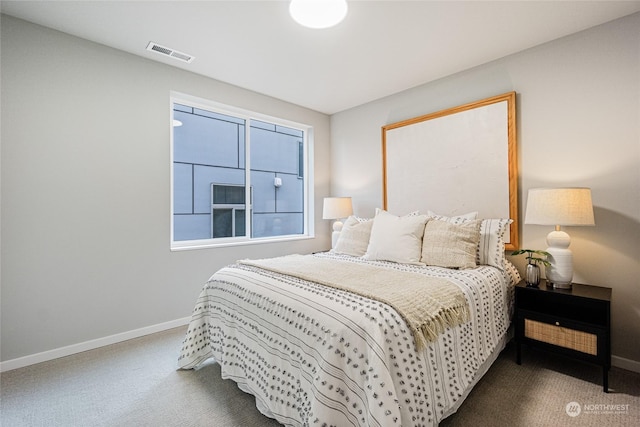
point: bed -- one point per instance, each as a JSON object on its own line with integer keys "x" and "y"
{"x": 397, "y": 323}
{"x": 313, "y": 352}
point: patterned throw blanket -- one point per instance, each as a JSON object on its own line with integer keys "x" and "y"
{"x": 428, "y": 305}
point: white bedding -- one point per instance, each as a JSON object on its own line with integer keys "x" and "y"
{"x": 315, "y": 355}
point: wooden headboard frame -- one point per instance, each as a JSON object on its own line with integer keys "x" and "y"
{"x": 454, "y": 161}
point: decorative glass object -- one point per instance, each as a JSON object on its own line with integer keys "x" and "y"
{"x": 532, "y": 275}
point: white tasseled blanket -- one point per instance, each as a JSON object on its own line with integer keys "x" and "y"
{"x": 427, "y": 304}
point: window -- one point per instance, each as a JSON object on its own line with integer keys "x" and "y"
{"x": 237, "y": 176}
{"x": 228, "y": 210}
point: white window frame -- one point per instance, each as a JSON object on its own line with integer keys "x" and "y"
{"x": 308, "y": 221}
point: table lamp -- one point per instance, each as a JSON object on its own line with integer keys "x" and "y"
{"x": 336, "y": 208}
{"x": 559, "y": 207}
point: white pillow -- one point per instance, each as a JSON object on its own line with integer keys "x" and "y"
{"x": 491, "y": 246}
{"x": 451, "y": 245}
{"x": 396, "y": 238}
{"x": 354, "y": 237}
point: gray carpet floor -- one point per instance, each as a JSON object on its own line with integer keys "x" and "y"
{"x": 135, "y": 383}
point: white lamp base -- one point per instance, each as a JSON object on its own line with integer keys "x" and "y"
{"x": 560, "y": 273}
{"x": 337, "y": 228}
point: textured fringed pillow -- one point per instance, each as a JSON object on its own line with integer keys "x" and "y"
{"x": 354, "y": 237}
{"x": 468, "y": 215}
{"x": 490, "y": 250}
{"x": 451, "y": 245}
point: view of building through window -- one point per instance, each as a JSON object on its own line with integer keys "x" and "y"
{"x": 213, "y": 195}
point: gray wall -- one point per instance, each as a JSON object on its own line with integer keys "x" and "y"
{"x": 86, "y": 258}
{"x": 578, "y": 125}
{"x": 85, "y": 191}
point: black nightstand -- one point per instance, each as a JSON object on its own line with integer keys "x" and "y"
{"x": 574, "y": 322}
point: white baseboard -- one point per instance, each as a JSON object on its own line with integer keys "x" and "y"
{"x": 628, "y": 364}
{"x": 617, "y": 361}
{"x": 89, "y": 345}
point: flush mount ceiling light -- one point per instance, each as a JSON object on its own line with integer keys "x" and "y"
{"x": 318, "y": 13}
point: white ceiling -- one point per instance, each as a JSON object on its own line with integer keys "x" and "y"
{"x": 381, "y": 48}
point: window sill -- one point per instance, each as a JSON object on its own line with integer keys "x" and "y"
{"x": 208, "y": 244}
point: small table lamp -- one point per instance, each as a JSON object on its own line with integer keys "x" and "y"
{"x": 559, "y": 206}
{"x": 336, "y": 208}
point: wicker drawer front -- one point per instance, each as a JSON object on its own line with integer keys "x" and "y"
{"x": 563, "y": 337}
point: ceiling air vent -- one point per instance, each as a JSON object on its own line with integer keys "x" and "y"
{"x": 163, "y": 50}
